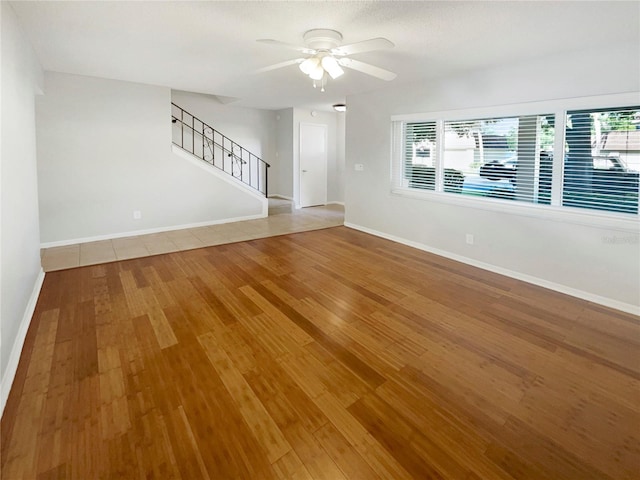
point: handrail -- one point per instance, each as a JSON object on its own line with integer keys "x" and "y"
{"x": 208, "y": 144}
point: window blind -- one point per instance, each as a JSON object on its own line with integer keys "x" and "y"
{"x": 520, "y": 157}
{"x": 602, "y": 159}
{"x": 503, "y": 157}
{"x": 419, "y": 155}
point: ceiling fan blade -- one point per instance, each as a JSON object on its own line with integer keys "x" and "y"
{"x": 279, "y": 65}
{"x": 290, "y": 46}
{"x": 372, "y": 70}
{"x": 364, "y": 46}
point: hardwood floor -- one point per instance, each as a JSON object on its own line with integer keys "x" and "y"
{"x": 329, "y": 354}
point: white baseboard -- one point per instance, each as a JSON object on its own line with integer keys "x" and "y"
{"x": 16, "y": 348}
{"x": 111, "y": 236}
{"x": 283, "y": 197}
{"x": 607, "y": 302}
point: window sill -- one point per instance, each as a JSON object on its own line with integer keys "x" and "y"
{"x": 627, "y": 223}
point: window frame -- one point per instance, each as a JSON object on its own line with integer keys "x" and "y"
{"x": 555, "y": 211}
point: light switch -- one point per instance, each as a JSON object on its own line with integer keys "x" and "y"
{"x": 359, "y": 167}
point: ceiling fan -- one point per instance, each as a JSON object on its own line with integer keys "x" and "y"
{"x": 326, "y": 57}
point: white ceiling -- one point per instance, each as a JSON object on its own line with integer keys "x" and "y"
{"x": 210, "y": 47}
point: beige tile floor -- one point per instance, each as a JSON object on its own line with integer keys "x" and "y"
{"x": 92, "y": 253}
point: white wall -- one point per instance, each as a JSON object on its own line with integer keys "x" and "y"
{"x": 20, "y": 271}
{"x": 104, "y": 150}
{"x": 575, "y": 258}
{"x": 335, "y": 189}
{"x": 281, "y": 174}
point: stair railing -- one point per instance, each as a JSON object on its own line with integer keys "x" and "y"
{"x": 202, "y": 140}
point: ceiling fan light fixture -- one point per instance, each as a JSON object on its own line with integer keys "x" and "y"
{"x": 317, "y": 73}
{"x": 331, "y": 66}
{"x": 309, "y": 65}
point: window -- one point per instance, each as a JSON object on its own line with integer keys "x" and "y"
{"x": 513, "y": 158}
{"x": 504, "y": 157}
{"x": 602, "y": 159}
{"x": 420, "y": 155}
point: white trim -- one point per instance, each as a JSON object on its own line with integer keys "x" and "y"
{"x": 18, "y": 344}
{"x": 607, "y": 302}
{"x": 557, "y": 167}
{"x": 134, "y": 233}
{"x": 529, "y": 108}
{"x": 335, "y": 203}
{"x": 283, "y": 197}
{"x": 591, "y": 218}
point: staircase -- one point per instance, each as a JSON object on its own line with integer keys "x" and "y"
{"x": 196, "y": 137}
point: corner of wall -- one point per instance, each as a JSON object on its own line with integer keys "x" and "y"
{"x": 18, "y": 343}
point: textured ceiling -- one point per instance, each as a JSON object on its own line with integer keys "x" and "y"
{"x": 210, "y": 47}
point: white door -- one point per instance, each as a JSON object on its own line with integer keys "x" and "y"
{"x": 313, "y": 164}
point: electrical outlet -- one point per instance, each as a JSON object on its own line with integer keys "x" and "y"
{"x": 358, "y": 167}
{"x": 469, "y": 238}
{"x": 137, "y": 214}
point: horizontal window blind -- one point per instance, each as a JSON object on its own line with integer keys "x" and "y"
{"x": 419, "y": 154}
{"x": 504, "y": 157}
{"x": 602, "y": 159}
{"x": 519, "y": 157}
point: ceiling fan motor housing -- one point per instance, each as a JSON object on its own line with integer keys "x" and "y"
{"x": 322, "y": 39}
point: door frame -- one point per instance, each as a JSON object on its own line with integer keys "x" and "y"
{"x": 325, "y": 128}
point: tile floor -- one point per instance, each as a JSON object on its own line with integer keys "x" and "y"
{"x": 304, "y": 219}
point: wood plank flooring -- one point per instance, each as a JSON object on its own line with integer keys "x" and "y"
{"x": 329, "y": 354}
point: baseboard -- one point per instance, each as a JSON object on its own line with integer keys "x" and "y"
{"x": 111, "y": 236}
{"x": 607, "y": 302}
{"x": 283, "y": 197}
{"x": 335, "y": 203}
{"x": 16, "y": 348}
